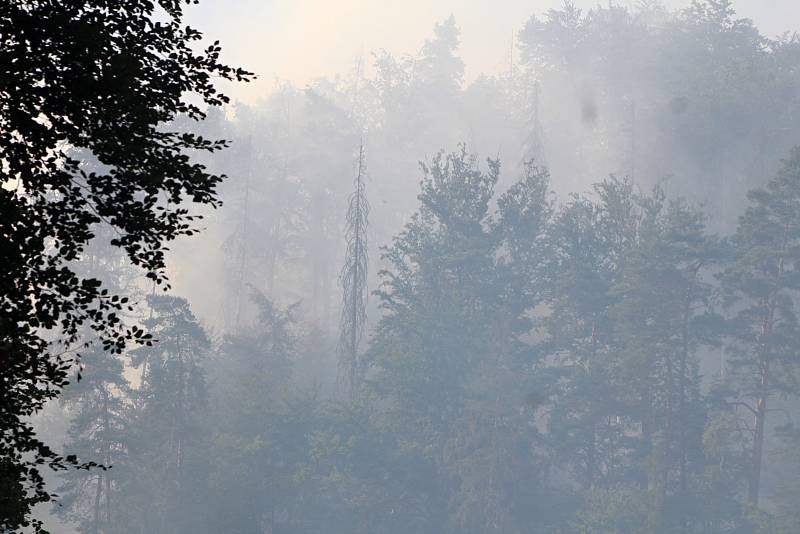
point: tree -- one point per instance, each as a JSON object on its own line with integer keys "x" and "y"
{"x": 630, "y": 307}
{"x": 438, "y": 69}
{"x": 785, "y": 517}
{"x": 330, "y": 136}
{"x": 100, "y": 79}
{"x": 660, "y": 318}
{"x": 166, "y": 464}
{"x": 99, "y": 409}
{"x": 259, "y": 437}
{"x": 761, "y": 287}
{"x": 354, "y": 282}
{"x": 592, "y": 239}
{"x": 493, "y": 447}
{"x": 264, "y": 199}
{"x": 448, "y": 360}
{"x": 98, "y": 406}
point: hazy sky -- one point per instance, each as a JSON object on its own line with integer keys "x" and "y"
{"x": 299, "y": 40}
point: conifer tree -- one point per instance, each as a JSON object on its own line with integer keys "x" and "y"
{"x": 660, "y": 313}
{"x": 98, "y": 405}
{"x": 592, "y": 238}
{"x": 761, "y": 286}
{"x": 448, "y": 357}
{"x": 258, "y": 439}
{"x": 353, "y": 279}
{"x": 165, "y": 453}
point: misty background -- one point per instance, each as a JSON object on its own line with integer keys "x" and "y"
{"x": 332, "y": 49}
{"x": 300, "y": 41}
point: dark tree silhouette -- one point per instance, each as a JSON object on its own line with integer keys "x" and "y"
{"x": 85, "y": 80}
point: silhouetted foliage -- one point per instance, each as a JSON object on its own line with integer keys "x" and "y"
{"x": 86, "y": 80}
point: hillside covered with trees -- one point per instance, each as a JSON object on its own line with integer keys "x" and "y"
{"x": 563, "y": 299}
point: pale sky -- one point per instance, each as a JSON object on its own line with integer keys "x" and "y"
{"x": 300, "y": 40}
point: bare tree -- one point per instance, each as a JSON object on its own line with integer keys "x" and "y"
{"x": 353, "y": 279}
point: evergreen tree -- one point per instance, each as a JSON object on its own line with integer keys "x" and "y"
{"x": 447, "y": 355}
{"x": 438, "y": 69}
{"x": 661, "y": 321}
{"x": 167, "y": 465}
{"x": 761, "y": 286}
{"x": 354, "y": 282}
{"x": 433, "y": 334}
{"x": 98, "y": 406}
{"x": 784, "y": 518}
{"x": 592, "y": 239}
{"x": 630, "y": 310}
{"x": 259, "y": 436}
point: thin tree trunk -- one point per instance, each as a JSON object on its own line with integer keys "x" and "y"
{"x": 758, "y": 440}
{"x": 107, "y": 455}
{"x": 647, "y": 437}
{"x": 108, "y": 498}
{"x": 98, "y": 493}
{"x": 356, "y": 289}
{"x": 682, "y": 370}
{"x": 591, "y": 460}
{"x": 754, "y": 485}
{"x": 663, "y": 455}
{"x": 682, "y": 394}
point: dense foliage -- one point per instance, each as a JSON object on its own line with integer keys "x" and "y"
{"x": 85, "y": 90}
{"x": 536, "y": 368}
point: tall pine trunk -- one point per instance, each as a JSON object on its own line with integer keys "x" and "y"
{"x": 353, "y": 279}
{"x": 758, "y": 438}
{"x": 754, "y": 483}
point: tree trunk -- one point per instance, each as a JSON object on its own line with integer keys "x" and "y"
{"x": 591, "y": 455}
{"x": 98, "y": 493}
{"x": 758, "y": 439}
{"x": 682, "y": 394}
{"x": 754, "y": 485}
{"x": 107, "y": 455}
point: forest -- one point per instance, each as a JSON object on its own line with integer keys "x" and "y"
{"x": 563, "y": 298}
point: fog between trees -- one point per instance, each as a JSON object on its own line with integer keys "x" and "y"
{"x": 558, "y": 299}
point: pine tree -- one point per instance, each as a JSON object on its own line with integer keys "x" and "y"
{"x": 353, "y": 279}
{"x": 629, "y": 310}
{"x": 438, "y": 68}
{"x": 660, "y": 313}
{"x": 786, "y": 514}
{"x": 98, "y": 405}
{"x": 592, "y": 238}
{"x": 448, "y": 355}
{"x": 761, "y": 286}
{"x": 165, "y": 447}
{"x": 258, "y": 438}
